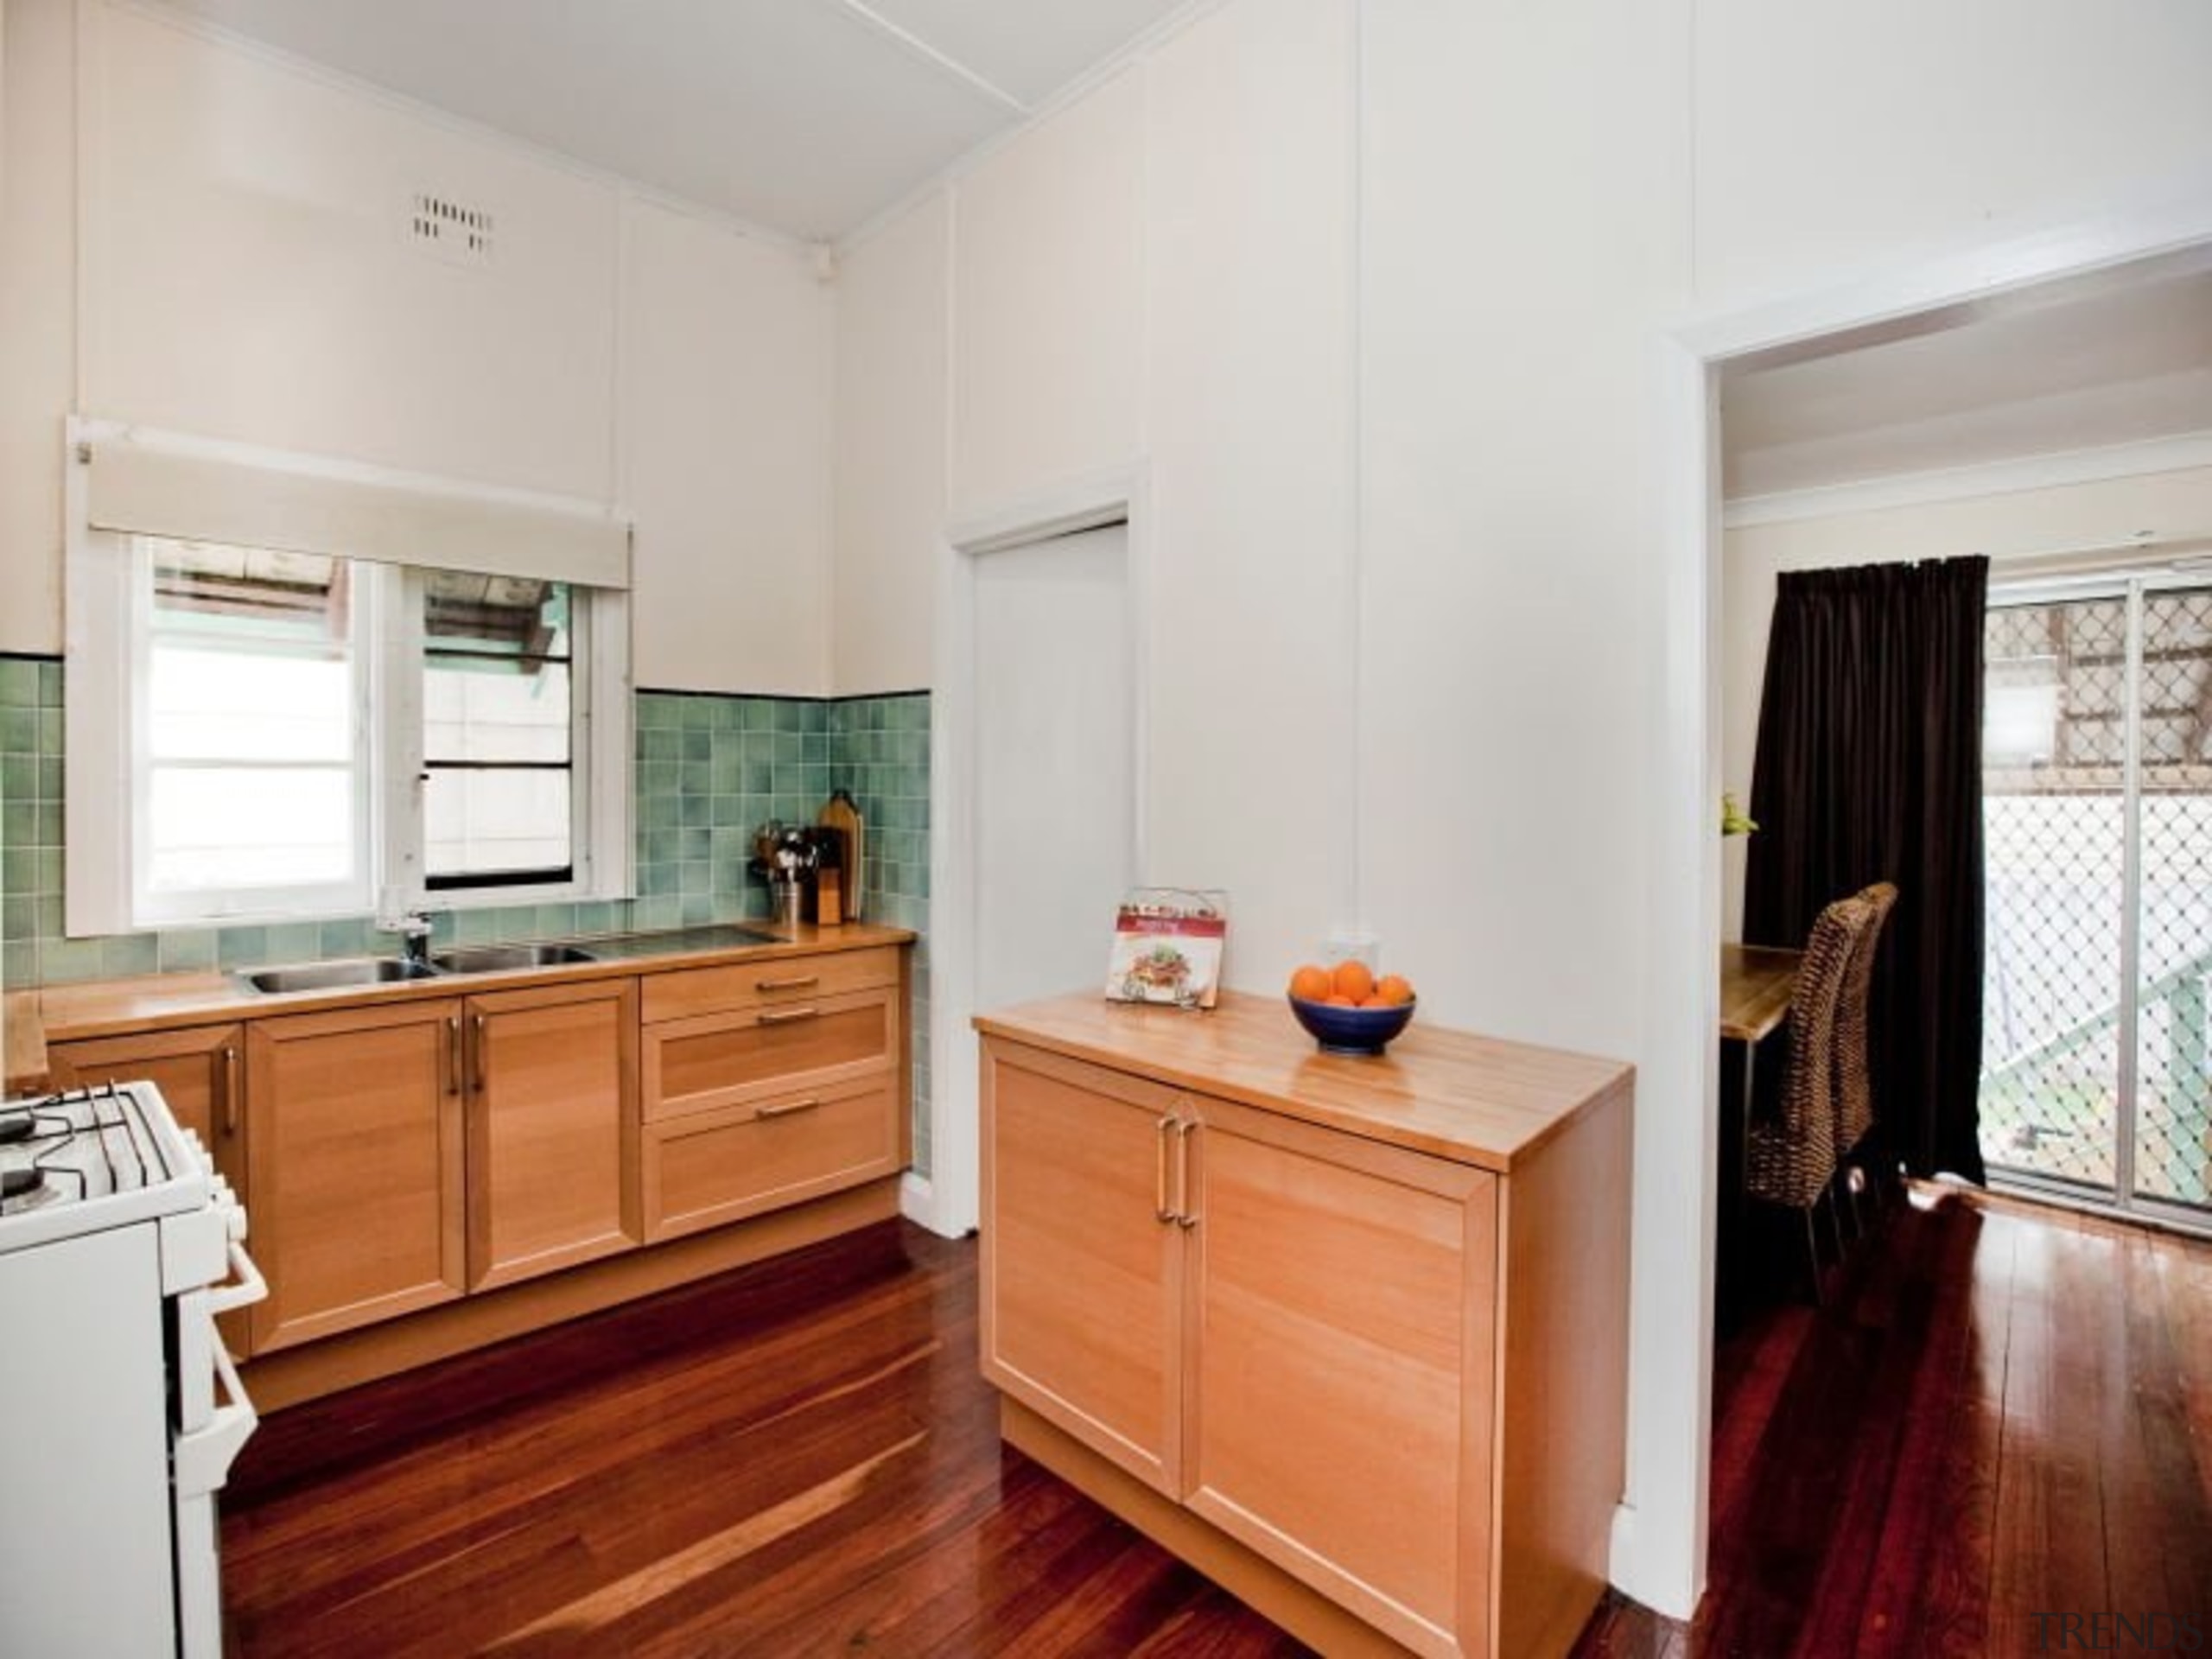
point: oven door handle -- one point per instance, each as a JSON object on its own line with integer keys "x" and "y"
{"x": 250, "y": 1287}
{"x": 203, "y": 1457}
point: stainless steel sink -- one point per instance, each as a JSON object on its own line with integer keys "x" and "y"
{"x": 505, "y": 958}
{"x": 334, "y": 975}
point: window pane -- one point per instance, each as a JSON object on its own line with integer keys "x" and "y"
{"x": 498, "y": 712}
{"x": 496, "y": 823}
{"x": 293, "y": 600}
{"x": 251, "y": 717}
{"x": 221, "y": 827}
{"x": 209, "y": 704}
{"x": 478, "y": 710}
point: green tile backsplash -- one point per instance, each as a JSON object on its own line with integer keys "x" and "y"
{"x": 709, "y": 770}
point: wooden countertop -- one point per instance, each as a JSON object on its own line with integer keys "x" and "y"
{"x": 116, "y": 1008}
{"x": 25, "y": 1063}
{"x": 1473, "y": 1099}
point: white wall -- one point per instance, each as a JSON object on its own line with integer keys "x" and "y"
{"x": 892, "y": 332}
{"x": 726, "y": 373}
{"x": 2005, "y": 526}
{"x": 1047, "y": 325}
{"x": 249, "y": 274}
{"x": 1833, "y": 140}
{"x": 37, "y": 317}
{"x": 246, "y": 274}
{"x": 1247, "y": 294}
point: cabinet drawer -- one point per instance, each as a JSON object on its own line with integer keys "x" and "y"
{"x": 713, "y": 1060}
{"x": 757, "y": 984}
{"x": 712, "y": 1167}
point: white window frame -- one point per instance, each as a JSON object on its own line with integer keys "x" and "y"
{"x": 106, "y": 618}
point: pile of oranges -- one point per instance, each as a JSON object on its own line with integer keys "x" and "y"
{"x": 1350, "y": 984}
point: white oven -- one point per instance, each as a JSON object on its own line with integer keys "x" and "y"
{"x": 120, "y": 1410}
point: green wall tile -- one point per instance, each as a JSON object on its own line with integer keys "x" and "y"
{"x": 186, "y": 949}
{"x": 65, "y": 961}
{"x": 123, "y": 955}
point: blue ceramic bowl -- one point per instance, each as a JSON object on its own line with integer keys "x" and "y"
{"x": 1352, "y": 1031}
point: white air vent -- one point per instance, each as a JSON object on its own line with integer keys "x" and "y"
{"x": 457, "y": 233}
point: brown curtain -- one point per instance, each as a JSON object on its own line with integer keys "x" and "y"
{"x": 1869, "y": 769}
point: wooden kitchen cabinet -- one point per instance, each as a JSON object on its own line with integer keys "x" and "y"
{"x": 552, "y": 1129}
{"x": 355, "y": 1139}
{"x": 768, "y": 1084}
{"x": 1349, "y": 1335}
{"x": 1340, "y": 1304}
{"x": 1084, "y": 1317}
{"x": 433, "y": 1166}
{"x": 200, "y": 1072}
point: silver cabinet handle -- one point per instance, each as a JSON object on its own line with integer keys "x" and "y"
{"x": 789, "y": 1108}
{"x": 1159, "y": 1210}
{"x": 1183, "y": 1131}
{"x": 787, "y": 1016}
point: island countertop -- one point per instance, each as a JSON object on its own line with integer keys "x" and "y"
{"x": 1452, "y": 1094}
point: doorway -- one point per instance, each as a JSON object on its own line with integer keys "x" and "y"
{"x": 1037, "y": 744}
{"x": 1055, "y": 762}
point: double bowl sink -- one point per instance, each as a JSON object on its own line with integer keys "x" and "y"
{"x": 496, "y": 959}
{"x": 387, "y": 970}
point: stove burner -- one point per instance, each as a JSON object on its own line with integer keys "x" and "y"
{"x": 16, "y": 1126}
{"x": 14, "y": 1183}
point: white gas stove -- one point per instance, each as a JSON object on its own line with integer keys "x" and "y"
{"x": 118, "y": 1246}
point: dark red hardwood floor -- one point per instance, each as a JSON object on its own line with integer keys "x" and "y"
{"x": 1995, "y": 1414}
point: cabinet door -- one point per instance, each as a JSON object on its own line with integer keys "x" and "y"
{"x": 1081, "y": 1275}
{"x": 353, "y": 1127}
{"x": 1340, "y": 1300}
{"x": 552, "y": 1129}
{"x": 199, "y": 1072}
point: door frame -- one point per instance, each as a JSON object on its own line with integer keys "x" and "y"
{"x": 948, "y": 1199}
{"x": 1659, "y": 1536}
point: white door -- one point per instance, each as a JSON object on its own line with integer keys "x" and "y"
{"x": 1055, "y": 758}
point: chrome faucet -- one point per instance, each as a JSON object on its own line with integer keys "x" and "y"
{"x": 413, "y": 930}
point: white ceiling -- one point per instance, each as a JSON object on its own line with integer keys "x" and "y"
{"x": 805, "y": 116}
{"x": 2091, "y": 366}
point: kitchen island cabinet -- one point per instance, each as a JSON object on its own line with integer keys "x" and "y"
{"x": 1349, "y": 1334}
{"x": 355, "y": 1137}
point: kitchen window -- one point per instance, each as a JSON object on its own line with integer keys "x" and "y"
{"x": 259, "y": 733}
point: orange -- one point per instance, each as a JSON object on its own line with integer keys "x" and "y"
{"x": 1311, "y": 984}
{"x": 1393, "y": 989}
{"x": 1353, "y": 982}
{"x": 1339, "y": 1000}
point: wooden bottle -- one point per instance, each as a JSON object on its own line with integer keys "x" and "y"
{"x": 842, "y": 816}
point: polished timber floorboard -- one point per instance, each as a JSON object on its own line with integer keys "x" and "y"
{"x": 1996, "y": 1413}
